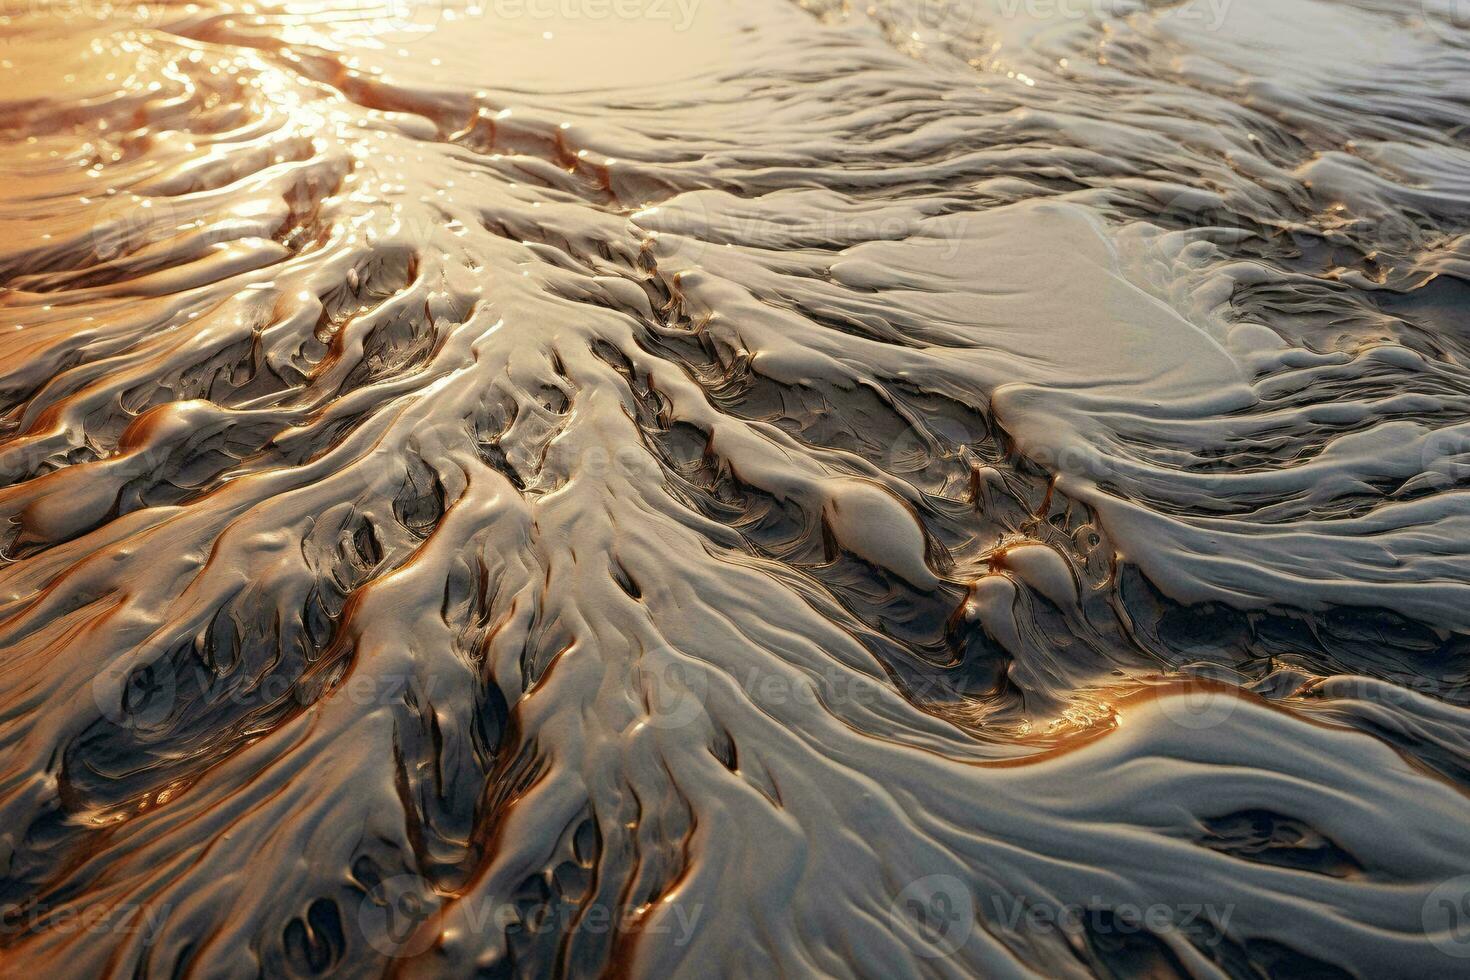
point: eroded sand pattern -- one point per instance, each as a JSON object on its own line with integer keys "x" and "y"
{"x": 721, "y": 488}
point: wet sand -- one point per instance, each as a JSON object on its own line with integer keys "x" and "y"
{"x": 707, "y": 488}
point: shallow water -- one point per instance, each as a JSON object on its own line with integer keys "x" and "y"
{"x": 697, "y": 487}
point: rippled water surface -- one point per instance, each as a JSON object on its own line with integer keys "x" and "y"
{"x": 735, "y": 488}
